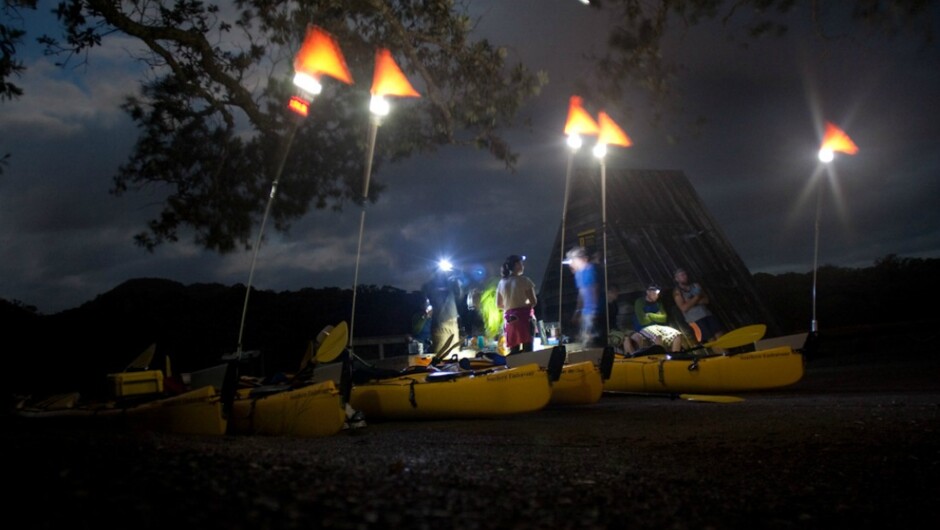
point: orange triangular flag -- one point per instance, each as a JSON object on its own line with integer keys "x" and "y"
{"x": 320, "y": 54}
{"x": 611, "y": 133}
{"x": 579, "y": 121}
{"x": 388, "y": 79}
{"x": 836, "y": 140}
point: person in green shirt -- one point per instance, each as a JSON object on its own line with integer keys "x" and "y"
{"x": 649, "y": 323}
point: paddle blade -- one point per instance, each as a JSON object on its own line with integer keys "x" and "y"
{"x": 556, "y": 363}
{"x": 710, "y": 399}
{"x": 308, "y": 356}
{"x": 333, "y": 344}
{"x": 448, "y": 345}
{"x": 142, "y": 362}
{"x": 607, "y": 363}
{"x": 739, "y": 337}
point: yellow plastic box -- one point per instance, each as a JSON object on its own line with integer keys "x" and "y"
{"x": 136, "y": 383}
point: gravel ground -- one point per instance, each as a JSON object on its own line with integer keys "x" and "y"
{"x": 853, "y": 445}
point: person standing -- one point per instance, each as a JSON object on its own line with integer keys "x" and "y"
{"x": 421, "y": 327}
{"x": 443, "y": 290}
{"x": 515, "y": 297}
{"x": 649, "y": 321}
{"x": 585, "y": 277}
{"x": 692, "y": 300}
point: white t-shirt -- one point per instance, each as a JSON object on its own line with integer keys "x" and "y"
{"x": 513, "y": 291}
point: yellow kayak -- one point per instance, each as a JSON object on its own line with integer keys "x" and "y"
{"x": 758, "y": 370}
{"x": 494, "y": 392}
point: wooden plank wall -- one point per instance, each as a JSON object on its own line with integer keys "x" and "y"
{"x": 656, "y": 223}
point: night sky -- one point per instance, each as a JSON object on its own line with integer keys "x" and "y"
{"x": 64, "y": 239}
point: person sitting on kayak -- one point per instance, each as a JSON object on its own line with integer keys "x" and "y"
{"x": 692, "y": 300}
{"x": 515, "y": 296}
{"x": 649, "y": 321}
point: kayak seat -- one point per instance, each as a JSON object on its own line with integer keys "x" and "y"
{"x": 655, "y": 349}
{"x": 437, "y": 377}
{"x": 371, "y": 373}
{"x": 690, "y": 356}
{"x": 607, "y": 363}
{"x": 266, "y": 390}
{"x": 416, "y": 369}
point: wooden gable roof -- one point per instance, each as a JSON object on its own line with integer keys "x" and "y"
{"x": 655, "y": 223}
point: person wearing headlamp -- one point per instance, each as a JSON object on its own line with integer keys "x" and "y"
{"x": 649, "y": 321}
{"x": 443, "y": 290}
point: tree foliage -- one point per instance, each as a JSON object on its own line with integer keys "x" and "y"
{"x": 634, "y": 60}
{"x": 212, "y": 113}
{"x": 11, "y": 35}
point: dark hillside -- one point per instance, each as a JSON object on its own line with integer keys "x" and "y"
{"x": 194, "y": 325}
{"x": 890, "y": 292}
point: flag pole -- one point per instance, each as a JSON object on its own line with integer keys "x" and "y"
{"x": 561, "y": 241}
{"x": 373, "y": 132}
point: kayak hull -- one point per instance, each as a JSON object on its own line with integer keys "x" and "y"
{"x": 195, "y": 412}
{"x": 198, "y": 412}
{"x": 307, "y": 412}
{"x": 580, "y": 382}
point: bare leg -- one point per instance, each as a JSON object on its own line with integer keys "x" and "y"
{"x": 677, "y": 343}
{"x": 628, "y": 344}
{"x": 637, "y": 339}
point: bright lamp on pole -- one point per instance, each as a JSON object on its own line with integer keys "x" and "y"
{"x": 834, "y": 139}
{"x": 387, "y": 80}
{"x": 609, "y": 133}
{"x": 318, "y": 55}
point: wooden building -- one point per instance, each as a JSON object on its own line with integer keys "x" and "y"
{"x": 655, "y": 223}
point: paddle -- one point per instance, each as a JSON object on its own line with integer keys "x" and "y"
{"x": 142, "y": 361}
{"x": 333, "y": 343}
{"x": 711, "y": 399}
{"x": 705, "y": 398}
{"x": 308, "y": 356}
{"x": 738, "y": 337}
{"x": 556, "y": 363}
{"x": 448, "y": 346}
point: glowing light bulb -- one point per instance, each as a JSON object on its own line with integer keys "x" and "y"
{"x": 379, "y": 106}
{"x": 574, "y": 142}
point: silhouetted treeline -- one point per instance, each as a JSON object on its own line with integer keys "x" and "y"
{"x": 892, "y": 291}
{"x": 196, "y": 325}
